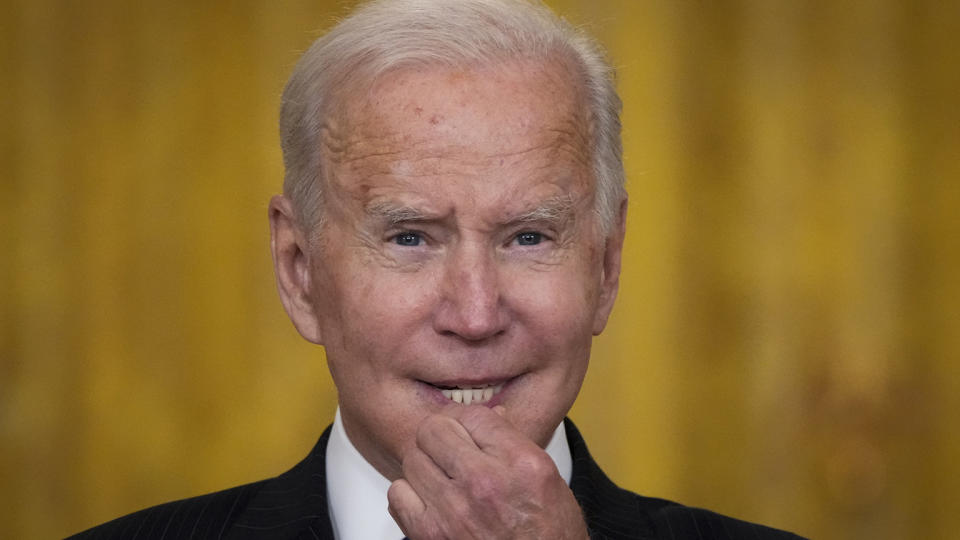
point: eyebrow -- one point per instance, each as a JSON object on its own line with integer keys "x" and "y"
{"x": 394, "y": 213}
{"x": 558, "y": 209}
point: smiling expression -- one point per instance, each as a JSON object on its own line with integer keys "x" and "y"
{"x": 460, "y": 257}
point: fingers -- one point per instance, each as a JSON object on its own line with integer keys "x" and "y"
{"x": 448, "y": 444}
{"x": 405, "y": 505}
{"x": 501, "y": 443}
{"x": 470, "y": 473}
{"x": 490, "y": 429}
{"x": 424, "y": 475}
{"x": 425, "y": 494}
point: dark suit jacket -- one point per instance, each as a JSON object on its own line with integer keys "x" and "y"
{"x": 294, "y": 506}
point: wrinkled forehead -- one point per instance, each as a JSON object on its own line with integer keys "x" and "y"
{"x": 506, "y": 111}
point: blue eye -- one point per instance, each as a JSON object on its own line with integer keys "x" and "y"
{"x": 407, "y": 239}
{"x": 529, "y": 238}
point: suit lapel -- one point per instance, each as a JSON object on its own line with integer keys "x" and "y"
{"x": 610, "y": 512}
{"x": 292, "y": 505}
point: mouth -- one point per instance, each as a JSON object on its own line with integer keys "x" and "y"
{"x": 477, "y": 394}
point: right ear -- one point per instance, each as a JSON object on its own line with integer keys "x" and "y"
{"x": 289, "y": 245}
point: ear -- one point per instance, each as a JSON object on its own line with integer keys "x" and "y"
{"x": 610, "y": 274}
{"x": 289, "y": 246}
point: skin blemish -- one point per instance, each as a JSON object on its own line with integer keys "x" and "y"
{"x": 435, "y": 119}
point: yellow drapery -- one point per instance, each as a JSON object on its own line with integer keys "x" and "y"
{"x": 785, "y": 347}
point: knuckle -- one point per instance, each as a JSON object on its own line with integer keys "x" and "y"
{"x": 393, "y": 496}
{"x": 535, "y": 465}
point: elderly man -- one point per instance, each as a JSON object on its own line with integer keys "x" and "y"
{"x": 450, "y": 232}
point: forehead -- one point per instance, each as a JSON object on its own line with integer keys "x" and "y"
{"x": 443, "y": 121}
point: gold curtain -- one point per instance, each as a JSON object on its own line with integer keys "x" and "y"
{"x": 786, "y": 346}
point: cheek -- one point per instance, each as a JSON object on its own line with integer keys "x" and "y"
{"x": 376, "y": 309}
{"x": 559, "y": 303}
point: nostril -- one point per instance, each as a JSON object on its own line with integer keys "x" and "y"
{"x": 472, "y": 336}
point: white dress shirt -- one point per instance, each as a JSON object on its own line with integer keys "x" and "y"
{"x": 357, "y": 493}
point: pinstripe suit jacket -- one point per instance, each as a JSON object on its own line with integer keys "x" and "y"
{"x": 294, "y": 506}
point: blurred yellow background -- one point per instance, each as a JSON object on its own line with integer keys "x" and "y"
{"x": 786, "y": 346}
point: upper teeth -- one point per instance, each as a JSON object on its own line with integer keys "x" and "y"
{"x": 472, "y": 395}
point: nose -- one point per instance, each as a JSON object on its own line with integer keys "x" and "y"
{"x": 471, "y": 305}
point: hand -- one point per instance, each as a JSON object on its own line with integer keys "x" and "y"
{"x": 473, "y": 475}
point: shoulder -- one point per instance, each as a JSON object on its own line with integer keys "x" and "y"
{"x": 628, "y": 515}
{"x": 613, "y": 513}
{"x": 677, "y": 521}
{"x": 291, "y": 505}
{"x": 206, "y": 516}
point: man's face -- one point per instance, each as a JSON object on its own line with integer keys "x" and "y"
{"x": 460, "y": 251}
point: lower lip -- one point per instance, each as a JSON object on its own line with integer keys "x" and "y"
{"x": 434, "y": 394}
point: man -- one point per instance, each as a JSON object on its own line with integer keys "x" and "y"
{"x": 450, "y": 231}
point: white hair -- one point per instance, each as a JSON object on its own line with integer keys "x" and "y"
{"x": 385, "y": 35}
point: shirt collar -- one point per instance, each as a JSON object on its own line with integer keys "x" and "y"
{"x": 357, "y": 493}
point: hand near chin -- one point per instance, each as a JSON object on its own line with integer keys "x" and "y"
{"x": 473, "y": 475}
